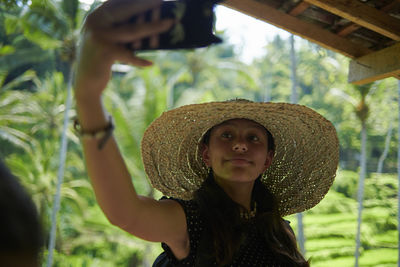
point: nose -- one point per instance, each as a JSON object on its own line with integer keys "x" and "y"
{"x": 240, "y": 147}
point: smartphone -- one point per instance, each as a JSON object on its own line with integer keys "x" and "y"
{"x": 193, "y": 29}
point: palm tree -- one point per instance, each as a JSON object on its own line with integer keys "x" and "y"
{"x": 361, "y": 110}
{"x": 274, "y": 70}
{"x": 386, "y": 149}
{"x": 212, "y": 73}
{"x": 20, "y": 54}
{"x": 36, "y": 170}
{"x": 51, "y": 25}
{"x": 362, "y": 114}
{"x": 45, "y": 25}
{"x": 13, "y": 111}
{"x": 47, "y": 106}
{"x": 43, "y": 112}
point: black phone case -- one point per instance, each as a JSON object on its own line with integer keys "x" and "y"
{"x": 194, "y": 27}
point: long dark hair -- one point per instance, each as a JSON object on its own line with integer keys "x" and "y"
{"x": 277, "y": 233}
{"x": 227, "y": 230}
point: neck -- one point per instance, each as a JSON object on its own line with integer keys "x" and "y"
{"x": 239, "y": 192}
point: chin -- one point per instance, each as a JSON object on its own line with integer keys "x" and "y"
{"x": 245, "y": 180}
{"x": 237, "y": 176}
{"x": 242, "y": 178}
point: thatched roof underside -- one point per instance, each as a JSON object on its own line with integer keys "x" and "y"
{"x": 367, "y": 31}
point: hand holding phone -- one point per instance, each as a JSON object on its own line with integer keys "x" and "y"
{"x": 193, "y": 27}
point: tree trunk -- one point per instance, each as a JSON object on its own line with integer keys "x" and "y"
{"x": 267, "y": 89}
{"x": 147, "y": 250}
{"x": 360, "y": 194}
{"x": 386, "y": 150}
{"x": 60, "y": 174}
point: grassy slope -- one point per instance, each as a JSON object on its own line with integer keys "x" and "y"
{"x": 330, "y": 227}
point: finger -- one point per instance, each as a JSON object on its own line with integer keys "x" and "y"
{"x": 128, "y": 57}
{"x": 139, "y": 62}
{"x": 122, "y": 10}
{"x": 137, "y": 44}
{"x": 133, "y": 32}
{"x": 156, "y": 15}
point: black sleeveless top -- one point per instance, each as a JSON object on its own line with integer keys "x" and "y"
{"x": 253, "y": 252}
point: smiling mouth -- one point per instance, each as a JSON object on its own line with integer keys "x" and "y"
{"x": 239, "y": 161}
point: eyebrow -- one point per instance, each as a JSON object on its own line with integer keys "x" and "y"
{"x": 255, "y": 125}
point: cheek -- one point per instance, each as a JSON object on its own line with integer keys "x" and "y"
{"x": 262, "y": 154}
{"x": 216, "y": 145}
{"x": 216, "y": 152}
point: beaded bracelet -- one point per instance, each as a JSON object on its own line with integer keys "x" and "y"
{"x": 102, "y": 134}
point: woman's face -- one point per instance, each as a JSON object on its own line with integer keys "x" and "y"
{"x": 237, "y": 151}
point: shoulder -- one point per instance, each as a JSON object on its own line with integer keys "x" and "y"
{"x": 190, "y": 207}
{"x": 194, "y": 227}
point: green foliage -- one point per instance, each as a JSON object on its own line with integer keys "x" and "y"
{"x": 12, "y": 3}
{"x": 70, "y": 9}
{"x": 375, "y": 258}
{"x": 43, "y": 25}
{"x": 330, "y": 227}
{"x": 6, "y": 49}
{"x": 333, "y": 204}
{"x": 13, "y": 113}
{"x": 381, "y": 187}
{"x": 346, "y": 183}
{"x": 39, "y": 34}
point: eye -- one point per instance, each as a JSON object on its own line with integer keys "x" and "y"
{"x": 226, "y": 135}
{"x": 254, "y": 138}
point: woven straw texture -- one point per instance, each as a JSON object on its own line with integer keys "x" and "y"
{"x": 303, "y": 168}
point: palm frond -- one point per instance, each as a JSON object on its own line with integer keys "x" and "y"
{"x": 15, "y": 137}
{"x": 6, "y": 49}
{"x": 14, "y": 118}
{"x": 29, "y": 75}
{"x": 25, "y": 56}
{"x": 70, "y": 9}
{"x": 44, "y": 24}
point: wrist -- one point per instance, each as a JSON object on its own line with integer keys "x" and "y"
{"x": 85, "y": 97}
{"x": 90, "y": 112}
{"x": 101, "y": 134}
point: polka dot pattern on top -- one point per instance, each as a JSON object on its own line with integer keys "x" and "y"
{"x": 253, "y": 252}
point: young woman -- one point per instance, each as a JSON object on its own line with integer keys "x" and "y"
{"x": 229, "y": 170}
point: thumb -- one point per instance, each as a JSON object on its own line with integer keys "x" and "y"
{"x": 128, "y": 56}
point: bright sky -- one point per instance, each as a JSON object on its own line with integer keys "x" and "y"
{"x": 248, "y": 34}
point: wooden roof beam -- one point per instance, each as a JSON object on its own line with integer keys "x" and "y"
{"x": 348, "y": 28}
{"x": 351, "y": 27}
{"x": 375, "y": 66}
{"x": 299, "y": 8}
{"x": 296, "y": 26}
{"x": 363, "y": 15}
{"x": 390, "y": 5}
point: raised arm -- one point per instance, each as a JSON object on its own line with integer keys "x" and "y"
{"x": 102, "y": 45}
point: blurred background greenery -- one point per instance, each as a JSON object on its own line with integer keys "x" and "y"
{"x": 37, "y": 48}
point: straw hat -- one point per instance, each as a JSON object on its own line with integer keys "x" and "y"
{"x": 301, "y": 173}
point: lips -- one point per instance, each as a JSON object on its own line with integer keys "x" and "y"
{"x": 239, "y": 161}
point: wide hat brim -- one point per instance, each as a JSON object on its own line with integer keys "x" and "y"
{"x": 301, "y": 173}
